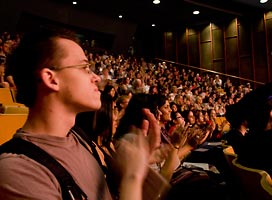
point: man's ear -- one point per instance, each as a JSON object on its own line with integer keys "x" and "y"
{"x": 49, "y": 78}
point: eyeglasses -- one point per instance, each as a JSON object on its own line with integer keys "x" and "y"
{"x": 86, "y": 66}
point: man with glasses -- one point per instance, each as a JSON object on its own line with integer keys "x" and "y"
{"x": 55, "y": 81}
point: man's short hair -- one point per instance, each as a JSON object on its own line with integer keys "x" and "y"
{"x": 35, "y": 51}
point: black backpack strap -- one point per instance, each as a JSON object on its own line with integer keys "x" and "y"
{"x": 70, "y": 190}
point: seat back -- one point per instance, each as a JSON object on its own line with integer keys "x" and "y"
{"x": 230, "y": 155}
{"x": 14, "y": 94}
{"x": 6, "y": 96}
{"x": 9, "y": 124}
{"x": 266, "y": 183}
{"x": 251, "y": 181}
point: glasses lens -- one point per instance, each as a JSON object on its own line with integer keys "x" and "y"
{"x": 92, "y": 68}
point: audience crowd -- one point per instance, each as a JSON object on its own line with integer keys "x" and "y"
{"x": 194, "y": 98}
{"x": 189, "y": 106}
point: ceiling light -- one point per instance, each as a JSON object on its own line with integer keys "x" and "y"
{"x": 196, "y": 12}
{"x": 74, "y": 2}
{"x": 263, "y": 1}
{"x": 156, "y": 1}
{"x": 153, "y": 25}
{"x": 120, "y": 16}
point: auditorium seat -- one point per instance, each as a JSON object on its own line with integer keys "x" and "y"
{"x": 8, "y": 104}
{"x": 230, "y": 155}
{"x": 6, "y": 96}
{"x": 14, "y": 109}
{"x": 9, "y": 123}
{"x": 267, "y": 184}
{"x": 252, "y": 181}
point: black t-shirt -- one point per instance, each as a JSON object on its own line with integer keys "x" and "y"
{"x": 255, "y": 151}
{"x": 234, "y": 138}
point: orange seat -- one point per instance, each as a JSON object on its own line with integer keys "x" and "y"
{"x": 230, "y": 155}
{"x": 14, "y": 108}
{"x": 267, "y": 184}
{"x": 254, "y": 183}
{"x": 6, "y": 96}
{"x": 8, "y": 103}
{"x": 9, "y": 123}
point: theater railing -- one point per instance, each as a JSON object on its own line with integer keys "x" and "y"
{"x": 234, "y": 79}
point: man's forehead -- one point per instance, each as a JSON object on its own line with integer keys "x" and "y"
{"x": 71, "y": 49}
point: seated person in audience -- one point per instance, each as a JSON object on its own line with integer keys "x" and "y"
{"x": 181, "y": 146}
{"x": 199, "y": 103}
{"x": 153, "y": 89}
{"x": 110, "y": 90}
{"x": 199, "y": 117}
{"x": 235, "y": 136}
{"x": 174, "y": 107}
{"x": 133, "y": 118}
{"x": 216, "y": 125}
{"x": 257, "y": 109}
{"x": 217, "y": 82}
{"x": 189, "y": 117}
{"x": 56, "y": 83}
{"x": 105, "y": 78}
{"x": 176, "y": 121}
{"x": 101, "y": 127}
{"x": 163, "y": 105}
{"x": 137, "y": 86}
{"x": 179, "y": 101}
{"x": 121, "y": 104}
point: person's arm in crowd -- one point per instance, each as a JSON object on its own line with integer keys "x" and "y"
{"x": 170, "y": 164}
{"x": 11, "y": 81}
{"x": 132, "y": 156}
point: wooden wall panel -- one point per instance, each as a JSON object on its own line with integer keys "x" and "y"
{"x": 219, "y": 65}
{"x": 206, "y": 56}
{"x": 246, "y": 67}
{"x": 239, "y": 47}
{"x": 259, "y": 52}
{"x": 218, "y": 47}
{"x": 244, "y": 34}
{"x": 205, "y": 34}
{"x": 269, "y": 43}
{"x": 170, "y": 46}
{"x": 218, "y": 44}
{"x": 231, "y": 56}
{"x": 193, "y": 44}
{"x": 182, "y": 48}
{"x": 245, "y": 50}
{"x": 231, "y": 29}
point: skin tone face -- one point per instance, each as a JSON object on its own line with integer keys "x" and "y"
{"x": 174, "y": 108}
{"x": 166, "y": 112}
{"x": 83, "y": 93}
{"x": 191, "y": 117}
{"x": 180, "y": 120}
{"x": 201, "y": 118}
{"x": 206, "y": 117}
{"x": 112, "y": 92}
{"x": 124, "y": 104}
{"x": 213, "y": 114}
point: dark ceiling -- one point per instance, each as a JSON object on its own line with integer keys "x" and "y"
{"x": 173, "y": 13}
